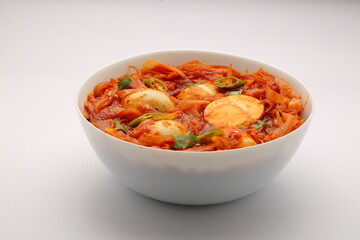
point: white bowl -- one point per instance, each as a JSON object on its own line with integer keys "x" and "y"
{"x": 194, "y": 178}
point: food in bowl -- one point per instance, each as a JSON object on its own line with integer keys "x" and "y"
{"x": 194, "y": 107}
{"x": 193, "y": 177}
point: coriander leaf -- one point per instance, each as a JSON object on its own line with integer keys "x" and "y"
{"x": 118, "y": 126}
{"x": 124, "y": 82}
{"x": 185, "y": 141}
{"x": 259, "y": 124}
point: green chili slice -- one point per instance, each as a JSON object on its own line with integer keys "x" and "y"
{"x": 229, "y": 82}
{"x": 206, "y": 137}
{"x": 118, "y": 126}
{"x": 156, "y": 84}
{"x": 189, "y": 139}
{"x": 232, "y": 93}
{"x": 154, "y": 116}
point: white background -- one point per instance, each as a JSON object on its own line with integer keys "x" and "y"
{"x": 52, "y": 186}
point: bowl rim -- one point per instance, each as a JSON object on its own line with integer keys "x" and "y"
{"x": 310, "y": 98}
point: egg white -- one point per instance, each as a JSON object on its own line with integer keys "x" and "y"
{"x": 195, "y": 92}
{"x": 157, "y": 99}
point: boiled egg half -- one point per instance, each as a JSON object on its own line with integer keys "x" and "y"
{"x": 196, "y": 92}
{"x": 157, "y": 99}
{"x": 161, "y": 127}
{"x": 233, "y": 111}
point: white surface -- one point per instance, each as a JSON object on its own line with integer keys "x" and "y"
{"x": 52, "y": 186}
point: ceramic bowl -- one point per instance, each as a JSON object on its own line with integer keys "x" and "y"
{"x": 193, "y": 178}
